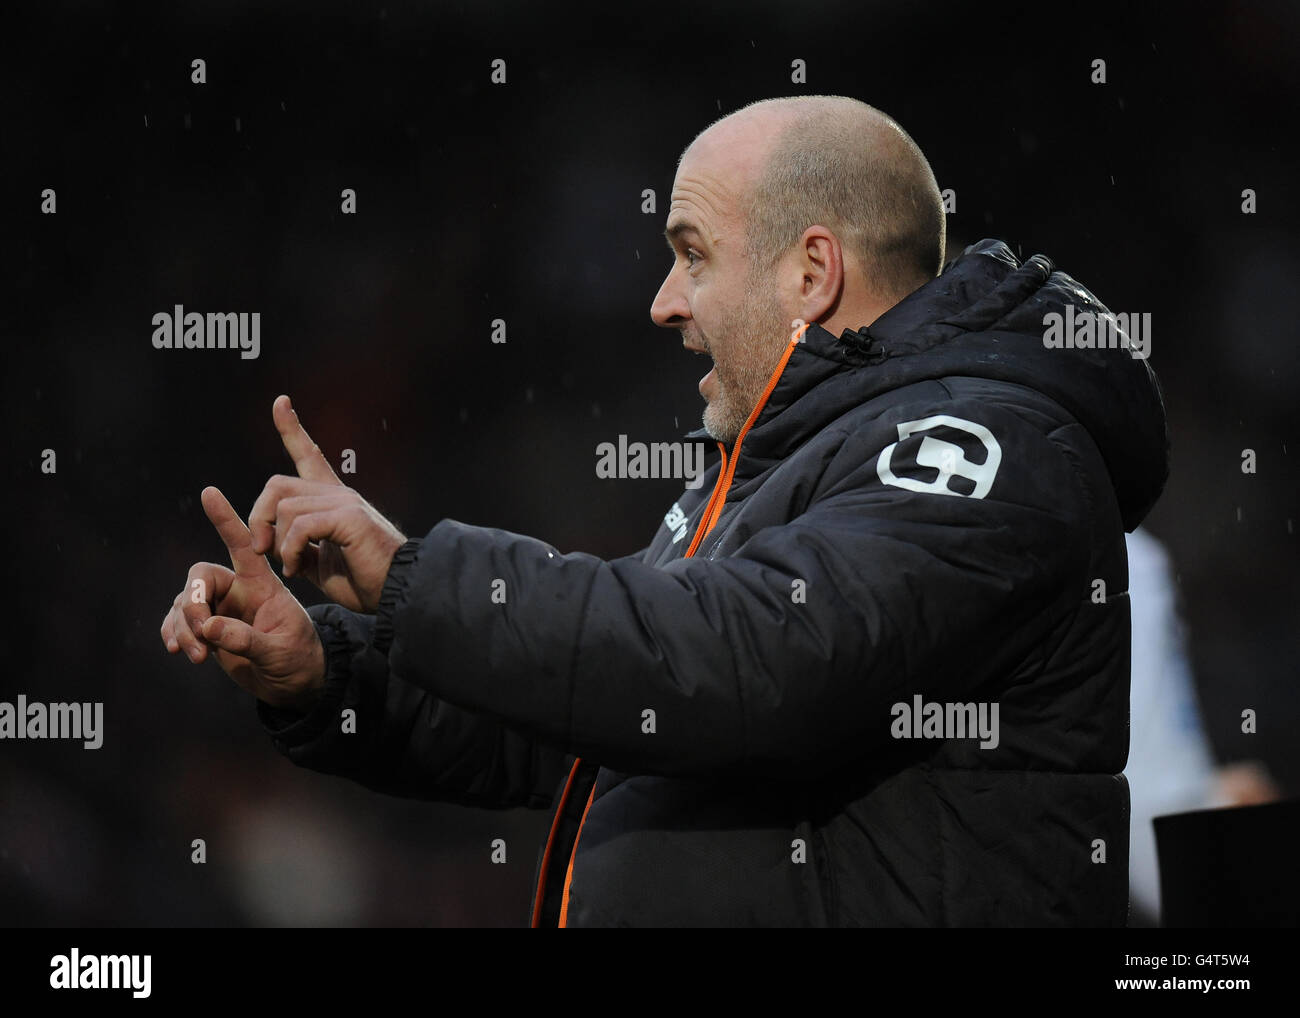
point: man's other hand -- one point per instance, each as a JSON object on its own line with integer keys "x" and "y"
{"x": 320, "y": 528}
{"x": 262, "y": 636}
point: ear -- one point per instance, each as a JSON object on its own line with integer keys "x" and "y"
{"x": 820, "y": 262}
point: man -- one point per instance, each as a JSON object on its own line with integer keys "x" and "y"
{"x": 872, "y": 682}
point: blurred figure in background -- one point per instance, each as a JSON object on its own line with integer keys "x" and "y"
{"x": 1171, "y": 766}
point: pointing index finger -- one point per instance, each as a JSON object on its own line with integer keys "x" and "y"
{"x": 307, "y": 457}
{"x": 230, "y": 527}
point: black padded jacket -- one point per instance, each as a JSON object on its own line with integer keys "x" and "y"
{"x": 771, "y": 715}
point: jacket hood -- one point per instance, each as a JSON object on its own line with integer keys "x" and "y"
{"x": 983, "y": 317}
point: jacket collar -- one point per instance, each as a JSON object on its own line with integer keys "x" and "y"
{"x": 982, "y": 317}
{"x": 791, "y": 415}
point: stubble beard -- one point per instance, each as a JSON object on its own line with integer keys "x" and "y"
{"x": 756, "y": 344}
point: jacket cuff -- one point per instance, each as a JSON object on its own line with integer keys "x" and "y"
{"x": 399, "y": 571}
{"x": 288, "y": 727}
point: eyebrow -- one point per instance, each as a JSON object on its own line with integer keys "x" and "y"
{"x": 680, "y": 227}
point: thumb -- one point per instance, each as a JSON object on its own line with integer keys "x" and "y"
{"x": 234, "y": 636}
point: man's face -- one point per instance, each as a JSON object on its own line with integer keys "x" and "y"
{"x": 722, "y": 307}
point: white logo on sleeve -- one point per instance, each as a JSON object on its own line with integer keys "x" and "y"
{"x": 946, "y": 457}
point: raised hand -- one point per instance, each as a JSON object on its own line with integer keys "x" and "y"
{"x": 320, "y": 528}
{"x": 262, "y": 636}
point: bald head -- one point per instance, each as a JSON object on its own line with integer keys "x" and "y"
{"x": 815, "y": 209}
{"x": 839, "y": 163}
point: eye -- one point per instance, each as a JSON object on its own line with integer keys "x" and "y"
{"x": 692, "y": 253}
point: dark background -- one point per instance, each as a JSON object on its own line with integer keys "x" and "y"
{"x": 523, "y": 202}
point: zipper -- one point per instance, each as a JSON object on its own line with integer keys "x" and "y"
{"x": 707, "y": 522}
{"x": 728, "y": 470}
{"x": 550, "y": 842}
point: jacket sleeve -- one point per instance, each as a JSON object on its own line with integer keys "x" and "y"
{"x": 404, "y": 740}
{"x": 783, "y": 658}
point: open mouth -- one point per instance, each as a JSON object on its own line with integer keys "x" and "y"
{"x": 706, "y": 381}
{"x": 705, "y": 385}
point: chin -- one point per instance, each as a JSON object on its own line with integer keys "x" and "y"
{"x": 718, "y": 432}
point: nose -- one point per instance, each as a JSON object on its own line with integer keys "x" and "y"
{"x": 669, "y": 308}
